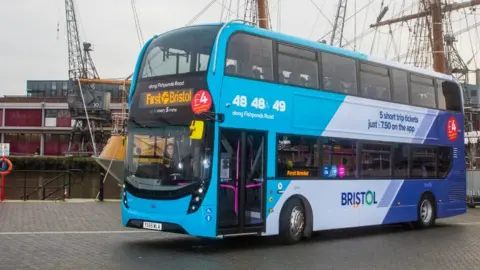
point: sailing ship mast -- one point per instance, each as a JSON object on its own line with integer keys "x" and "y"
{"x": 443, "y": 62}
{"x": 436, "y": 11}
{"x": 262, "y": 14}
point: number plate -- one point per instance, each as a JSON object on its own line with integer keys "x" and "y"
{"x": 152, "y": 226}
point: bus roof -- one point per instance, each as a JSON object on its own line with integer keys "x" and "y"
{"x": 328, "y": 48}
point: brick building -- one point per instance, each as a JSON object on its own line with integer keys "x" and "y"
{"x": 41, "y": 120}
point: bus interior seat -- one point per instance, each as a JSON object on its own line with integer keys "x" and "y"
{"x": 257, "y": 74}
{"x": 295, "y": 79}
{"x": 231, "y": 69}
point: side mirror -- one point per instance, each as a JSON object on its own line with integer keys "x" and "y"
{"x": 196, "y": 130}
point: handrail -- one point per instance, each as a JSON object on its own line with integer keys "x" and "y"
{"x": 69, "y": 184}
{"x": 62, "y": 173}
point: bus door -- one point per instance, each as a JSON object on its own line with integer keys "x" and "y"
{"x": 241, "y": 185}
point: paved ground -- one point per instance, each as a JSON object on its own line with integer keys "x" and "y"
{"x": 89, "y": 236}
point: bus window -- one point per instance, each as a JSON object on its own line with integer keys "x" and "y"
{"x": 444, "y": 161}
{"x": 400, "y": 86}
{"x": 297, "y": 156}
{"x": 251, "y": 56}
{"x": 400, "y": 161}
{"x": 376, "y": 160}
{"x": 449, "y": 97}
{"x": 341, "y": 153}
{"x": 423, "y": 162}
{"x": 375, "y": 82}
{"x": 297, "y": 67}
{"x": 339, "y": 74}
{"x": 422, "y": 92}
{"x": 180, "y": 51}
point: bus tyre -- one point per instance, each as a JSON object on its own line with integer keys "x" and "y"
{"x": 292, "y": 221}
{"x": 426, "y": 212}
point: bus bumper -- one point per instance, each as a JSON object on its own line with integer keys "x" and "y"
{"x": 451, "y": 209}
{"x": 167, "y": 216}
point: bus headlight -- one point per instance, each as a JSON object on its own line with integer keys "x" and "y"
{"x": 197, "y": 197}
{"x": 124, "y": 197}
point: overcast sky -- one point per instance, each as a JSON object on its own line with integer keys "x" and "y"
{"x": 32, "y": 49}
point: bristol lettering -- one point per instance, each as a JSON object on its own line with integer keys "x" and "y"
{"x": 359, "y": 198}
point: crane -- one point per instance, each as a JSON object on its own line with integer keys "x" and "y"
{"x": 90, "y": 108}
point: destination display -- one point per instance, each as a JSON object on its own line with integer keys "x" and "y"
{"x": 175, "y": 101}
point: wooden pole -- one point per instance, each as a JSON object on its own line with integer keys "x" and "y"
{"x": 446, "y": 8}
{"x": 262, "y": 13}
{"x": 437, "y": 35}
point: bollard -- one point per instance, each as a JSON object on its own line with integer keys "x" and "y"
{"x": 100, "y": 192}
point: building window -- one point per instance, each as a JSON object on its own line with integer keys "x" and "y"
{"x": 375, "y": 82}
{"x": 250, "y": 56}
{"x": 297, "y": 66}
{"x": 297, "y": 156}
{"x": 339, "y": 74}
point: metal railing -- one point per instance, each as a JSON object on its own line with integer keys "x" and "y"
{"x": 69, "y": 176}
{"x": 43, "y": 187}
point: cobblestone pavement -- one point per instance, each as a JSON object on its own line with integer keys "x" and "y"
{"x": 90, "y": 236}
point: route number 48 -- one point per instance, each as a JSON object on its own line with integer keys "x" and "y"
{"x": 240, "y": 101}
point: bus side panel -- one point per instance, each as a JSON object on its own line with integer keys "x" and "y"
{"x": 345, "y": 204}
{"x": 449, "y": 131}
{"x": 365, "y": 119}
{"x": 335, "y": 204}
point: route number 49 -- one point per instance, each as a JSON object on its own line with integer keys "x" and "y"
{"x": 280, "y": 105}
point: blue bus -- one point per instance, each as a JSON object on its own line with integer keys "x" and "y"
{"x": 237, "y": 130}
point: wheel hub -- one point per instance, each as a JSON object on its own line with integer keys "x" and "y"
{"x": 296, "y": 221}
{"x": 426, "y": 211}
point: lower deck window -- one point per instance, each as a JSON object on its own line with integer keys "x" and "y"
{"x": 300, "y": 157}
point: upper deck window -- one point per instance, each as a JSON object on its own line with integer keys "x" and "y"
{"x": 180, "y": 51}
{"x": 400, "y": 86}
{"x": 297, "y": 66}
{"x": 422, "y": 91}
{"x": 375, "y": 82}
{"x": 449, "y": 96}
{"x": 339, "y": 74}
{"x": 250, "y": 56}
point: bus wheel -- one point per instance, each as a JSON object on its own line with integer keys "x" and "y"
{"x": 425, "y": 212}
{"x": 292, "y": 221}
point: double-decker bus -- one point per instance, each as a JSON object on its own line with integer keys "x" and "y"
{"x": 235, "y": 130}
